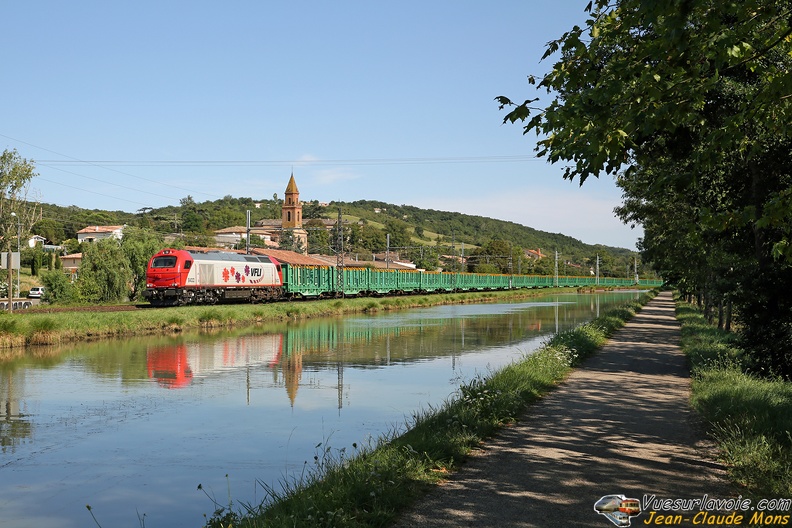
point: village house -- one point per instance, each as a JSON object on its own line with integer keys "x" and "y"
{"x": 94, "y": 233}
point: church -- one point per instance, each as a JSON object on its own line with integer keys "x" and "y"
{"x": 290, "y": 223}
{"x": 272, "y": 231}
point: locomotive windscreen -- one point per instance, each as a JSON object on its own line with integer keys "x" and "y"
{"x": 164, "y": 262}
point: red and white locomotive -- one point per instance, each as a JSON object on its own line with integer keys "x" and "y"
{"x": 177, "y": 277}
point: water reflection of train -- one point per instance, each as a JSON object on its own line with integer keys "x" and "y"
{"x": 177, "y": 365}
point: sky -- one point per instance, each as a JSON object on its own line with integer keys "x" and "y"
{"x": 127, "y": 105}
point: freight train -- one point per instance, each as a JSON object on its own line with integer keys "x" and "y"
{"x": 179, "y": 277}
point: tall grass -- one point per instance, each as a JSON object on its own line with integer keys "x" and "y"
{"x": 750, "y": 417}
{"x": 370, "y": 485}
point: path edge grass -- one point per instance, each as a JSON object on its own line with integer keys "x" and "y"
{"x": 370, "y": 485}
{"x": 749, "y": 417}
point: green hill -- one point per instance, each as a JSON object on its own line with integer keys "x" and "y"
{"x": 443, "y": 231}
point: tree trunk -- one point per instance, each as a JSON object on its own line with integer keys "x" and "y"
{"x": 720, "y": 314}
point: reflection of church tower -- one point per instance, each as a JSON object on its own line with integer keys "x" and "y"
{"x": 292, "y": 372}
{"x": 291, "y": 215}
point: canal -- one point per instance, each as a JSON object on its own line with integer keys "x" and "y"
{"x": 132, "y": 427}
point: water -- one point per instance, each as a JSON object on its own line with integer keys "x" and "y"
{"x": 132, "y": 427}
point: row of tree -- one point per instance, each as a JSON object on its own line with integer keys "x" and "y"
{"x": 688, "y": 103}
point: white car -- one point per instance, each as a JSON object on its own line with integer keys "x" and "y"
{"x": 36, "y": 292}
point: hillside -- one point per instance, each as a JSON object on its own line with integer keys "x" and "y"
{"x": 475, "y": 230}
{"x": 424, "y": 227}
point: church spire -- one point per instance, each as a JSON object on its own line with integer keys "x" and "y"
{"x": 292, "y": 208}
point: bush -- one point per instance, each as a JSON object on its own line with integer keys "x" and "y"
{"x": 58, "y": 288}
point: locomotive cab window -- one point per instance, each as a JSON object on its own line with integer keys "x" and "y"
{"x": 188, "y": 264}
{"x": 163, "y": 262}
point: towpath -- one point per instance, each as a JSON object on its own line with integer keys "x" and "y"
{"x": 621, "y": 424}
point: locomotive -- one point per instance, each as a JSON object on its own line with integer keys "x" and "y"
{"x": 178, "y": 277}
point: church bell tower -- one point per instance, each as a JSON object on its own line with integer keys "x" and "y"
{"x": 291, "y": 217}
{"x": 292, "y": 208}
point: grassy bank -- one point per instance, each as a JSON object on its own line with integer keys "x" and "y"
{"x": 750, "y": 417}
{"x": 21, "y": 330}
{"x": 369, "y": 485}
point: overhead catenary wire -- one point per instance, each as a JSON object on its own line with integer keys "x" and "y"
{"x": 258, "y": 163}
{"x": 71, "y": 161}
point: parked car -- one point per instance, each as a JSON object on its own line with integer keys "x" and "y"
{"x": 36, "y": 292}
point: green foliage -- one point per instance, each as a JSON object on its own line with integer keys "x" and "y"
{"x": 226, "y": 217}
{"x": 688, "y": 101}
{"x": 291, "y": 242}
{"x": 105, "y": 273}
{"x": 750, "y": 416}
{"x": 494, "y": 257}
{"x": 17, "y": 213}
{"x": 8, "y": 324}
{"x": 484, "y": 267}
{"x": 457, "y": 229}
{"x": 138, "y": 246}
{"x": 210, "y": 316}
{"x": 58, "y": 288}
{"x": 318, "y": 236}
{"x": 399, "y": 236}
{"x": 424, "y": 258}
{"x": 52, "y": 230}
{"x": 312, "y": 210}
{"x": 367, "y": 238}
{"x": 71, "y": 246}
{"x": 43, "y": 324}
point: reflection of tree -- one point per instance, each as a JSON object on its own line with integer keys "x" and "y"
{"x": 14, "y": 428}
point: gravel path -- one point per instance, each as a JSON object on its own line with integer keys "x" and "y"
{"x": 621, "y": 424}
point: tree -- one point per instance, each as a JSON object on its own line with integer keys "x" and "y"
{"x": 424, "y": 257}
{"x": 50, "y": 229}
{"x": 58, "y": 288}
{"x": 312, "y": 210}
{"x": 290, "y": 242}
{"x": 367, "y": 238}
{"x": 37, "y": 257}
{"x": 688, "y": 102}
{"x": 642, "y": 79}
{"x": 17, "y": 213}
{"x": 397, "y": 229}
{"x": 493, "y": 257}
{"x": 104, "y": 274}
{"x": 138, "y": 246}
{"x": 318, "y": 237}
{"x": 226, "y": 217}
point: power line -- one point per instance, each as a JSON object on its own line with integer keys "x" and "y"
{"x": 73, "y": 160}
{"x": 103, "y": 181}
{"x": 260, "y": 163}
{"x": 108, "y": 164}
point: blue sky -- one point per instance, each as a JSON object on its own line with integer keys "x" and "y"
{"x": 125, "y": 105}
